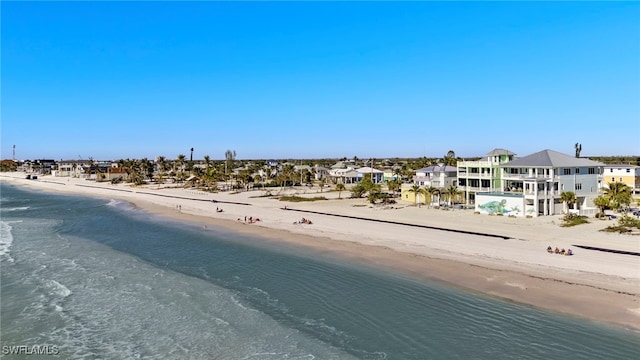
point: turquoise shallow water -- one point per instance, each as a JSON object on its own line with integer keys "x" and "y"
{"x": 100, "y": 279}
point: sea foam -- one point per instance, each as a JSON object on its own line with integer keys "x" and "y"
{"x": 6, "y": 239}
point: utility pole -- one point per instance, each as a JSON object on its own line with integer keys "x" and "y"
{"x": 14, "y": 153}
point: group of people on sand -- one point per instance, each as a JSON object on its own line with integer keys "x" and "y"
{"x": 557, "y": 251}
{"x": 249, "y": 220}
{"x": 303, "y": 221}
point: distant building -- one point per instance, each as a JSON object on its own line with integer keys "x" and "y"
{"x": 71, "y": 168}
{"x": 343, "y": 176}
{"x": 39, "y": 166}
{"x": 375, "y": 174}
{"x": 626, "y": 174}
{"x": 321, "y": 172}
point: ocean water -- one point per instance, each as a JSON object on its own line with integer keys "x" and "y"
{"x": 99, "y": 279}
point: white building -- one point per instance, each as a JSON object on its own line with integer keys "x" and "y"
{"x": 532, "y": 185}
{"x": 439, "y": 176}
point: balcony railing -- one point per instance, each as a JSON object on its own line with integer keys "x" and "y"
{"x": 542, "y": 193}
{"x": 475, "y": 175}
{"x": 526, "y": 176}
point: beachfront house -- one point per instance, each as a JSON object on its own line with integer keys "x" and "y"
{"x": 375, "y": 174}
{"x": 39, "y": 166}
{"x": 483, "y": 175}
{"x": 116, "y": 173}
{"x": 320, "y": 172}
{"x": 439, "y": 176}
{"x": 532, "y": 185}
{"x": 343, "y": 176}
{"x": 626, "y": 174}
{"x": 70, "y": 168}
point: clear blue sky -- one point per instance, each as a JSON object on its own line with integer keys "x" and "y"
{"x": 115, "y": 80}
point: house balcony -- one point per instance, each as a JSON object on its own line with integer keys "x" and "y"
{"x": 466, "y": 175}
{"x": 476, "y": 189}
{"x": 520, "y": 177}
{"x": 541, "y": 193}
{"x": 472, "y": 164}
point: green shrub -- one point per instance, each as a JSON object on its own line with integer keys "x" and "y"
{"x": 630, "y": 222}
{"x": 573, "y": 220}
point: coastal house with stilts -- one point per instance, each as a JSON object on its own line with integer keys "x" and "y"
{"x": 483, "y": 175}
{"x": 532, "y": 185}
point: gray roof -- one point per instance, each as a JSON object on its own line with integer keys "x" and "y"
{"x": 436, "y": 168}
{"x": 495, "y": 152}
{"x": 550, "y": 158}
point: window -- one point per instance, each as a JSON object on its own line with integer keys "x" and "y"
{"x": 578, "y": 186}
{"x": 567, "y": 171}
{"x": 620, "y": 179}
{"x": 592, "y": 171}
{"x": 628, "y": 170}
{"x": 613, "y": 179}
{"x": 611, "y": 170}
{"x": 577, "y": 170}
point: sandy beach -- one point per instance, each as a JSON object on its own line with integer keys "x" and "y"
{"x": 510, "y": 262}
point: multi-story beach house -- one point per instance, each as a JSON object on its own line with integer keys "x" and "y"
{"x": 532, "y": 185}
{"x": 439, "y": 176}
{"x": 320, "y": 172}
{"x": 483, "y": 175}
{"x": 626, "y": 174}
{"x": 39, "y": 166}
{"x": 70, "y": 168}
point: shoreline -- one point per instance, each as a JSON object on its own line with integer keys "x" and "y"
{"x": 600, "y": 287}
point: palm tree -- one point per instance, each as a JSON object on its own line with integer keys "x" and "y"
{"x": 398, "y": 173}
{"x": 567, "y": 197}
{"x": 180, "y": 164}
{"x": 393, "y": 185}
{"x": 430, "y": 191}
{"x": 618, "y": 194}
{"x": 146, "y": 168}
{"x": 417, "y": 190}
{"x": 321, "y": 183}
{"x": 450, "y": 159}
{"x": 288, "y": 173}
{"x": 601, "y": 203}
{"x": 340, "y": 187}
{"x": 453, "y": 193}
{"x": 162, "y": 165}
{"x": 230, "y": 158}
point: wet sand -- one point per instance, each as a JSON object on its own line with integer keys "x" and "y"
{"x": 600, "y": 286}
